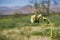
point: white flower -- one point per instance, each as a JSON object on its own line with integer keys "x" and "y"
{"x": 33, "y": 18}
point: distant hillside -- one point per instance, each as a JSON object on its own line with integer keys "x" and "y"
{"x": 25, "y": 9}
{"x": 22, "y": 10}
{"x": 6, "y": 11}
{"x": 55, "y": 8}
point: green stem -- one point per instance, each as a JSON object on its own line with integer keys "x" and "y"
{"x": 51, "y": 33}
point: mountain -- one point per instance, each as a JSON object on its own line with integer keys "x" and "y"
{"x": 23, "y": 10}
{"x": 55, "y": 8}
{"x": 17, "y": 9}
{"x": 6, "y": 11}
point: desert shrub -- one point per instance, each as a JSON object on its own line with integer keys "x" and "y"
{"x": 46, "y": 32}
{"x": 7, "y": 24}
{"x": 45, "y": 14}
{"x": 36, "y": 33}
{"x": 55, "y": 19}
{"x": 56, "y": 35}
{"x": 24, "y": 20}
{"x": 12, "y": 25}
{"x": 3, "y": 37}
{"x": 4, "y": 24}
{"x": 16, "y": 15}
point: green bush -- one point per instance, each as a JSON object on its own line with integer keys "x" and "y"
{"x": 46, "y": 32}
{"x": 56, "y": 35}
{"x": 24, "y": 20}
{"x": 36, "y": 33}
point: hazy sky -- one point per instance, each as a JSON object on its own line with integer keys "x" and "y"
{"x": 16, "y": 2}
{"x": 13, "y": 2}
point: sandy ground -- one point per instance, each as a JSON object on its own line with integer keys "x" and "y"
{"x": 14, "y": 34}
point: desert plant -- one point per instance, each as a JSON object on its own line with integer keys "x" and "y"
{"x": 3, "y": 37}
{"x": 36, "y": 33}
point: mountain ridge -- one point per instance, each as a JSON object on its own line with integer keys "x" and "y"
{"x": 22, "y": 10}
